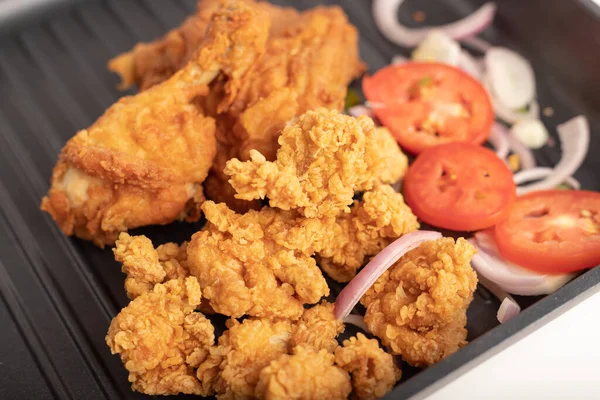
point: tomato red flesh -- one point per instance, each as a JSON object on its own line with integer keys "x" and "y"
{"x": 426, "y": 104}
{"x": 459, "y": 186}
{"x": 555, "y": 231}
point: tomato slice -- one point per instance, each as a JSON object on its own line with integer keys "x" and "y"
{"x": 459, "y": 186}
{"x": 553, "y": 231}
{"x": 427, "y": 104}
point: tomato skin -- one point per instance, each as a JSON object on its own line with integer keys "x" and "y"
{"x": 552, "y": 231}
{"x": 391, "y": 91}
{"x": 459, "y": 186}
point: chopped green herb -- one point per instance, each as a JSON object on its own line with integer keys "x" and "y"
{"x": 523, "y": 109}
{"x": 564, "y": 186}
{"x": 425, "y": 81}
{"x": 352, "y": 99}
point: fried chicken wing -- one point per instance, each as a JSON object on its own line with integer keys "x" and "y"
{"x": 373, "y": 223}
{"x": 233, "y": 366}
{"x": 373, "y": 371}
{"x": 322, "y": 161}
{"x": 161, "y": 339}
{"x": 258, "y": 263}
{"x": 318, "y": 328}
{"x": 418, "y": 306}
{"x": 308, "y": 374}
{"x": 143, "y": 161}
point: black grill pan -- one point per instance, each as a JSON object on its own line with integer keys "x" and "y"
{"x": 57, "y": 295}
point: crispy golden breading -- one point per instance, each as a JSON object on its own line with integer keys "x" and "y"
{"x": 309, "y": 60}
{"x": 308, "y": 374}
{"x": 373, "y": 371}
{"x": 385, "y": 159}
{"x": 143, "y": 161}
{"x": 372, "y": 224}
{"x": 418, "y": 306}
{"x": 258, "y": 263}
{"x": 148, "y": 64}
{"x": 233, "y": 366}
{"x": 146, "y": 266}
{"x": 318, "y": 328}
{"x": 425, "y": 347}
{"x": 322, "y": 161}
{"x": 307, "y": 66}
{"x": 139, "y": 262}
{"x": 173, "y": 258}
{"x": 161, "y": 339}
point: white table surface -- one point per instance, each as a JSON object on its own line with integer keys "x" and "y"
{"x": 560, "y": 360}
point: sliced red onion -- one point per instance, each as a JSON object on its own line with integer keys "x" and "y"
{"x": 531, "y": 132}
{"x": 493, "y": 287}
{"x": 357, "y": 111}
{"x": 512, "y": 116}
{"x": 477, "y": 43}
{"x": 508, "y": 309}
{"x": 506, "y": 114}
{"x": 358, "y": 321}
{"x": 470, "y": 65}
{"x": 526, "y": 157}
{"x": 398, "y": 59}
{"x": 491, "y": 266}
{"x": 385, "y": 12}
{"x": 510, "y": 76}
{"x": 506, "y": 299}
{"x": 358, "y": 286}
{"x": 537, "y": 173}
{"x": 499, "y": 139}
{"x": 489, "y": 263}
{"x": 438, "y": 47}
{"x": 575, "y": 141}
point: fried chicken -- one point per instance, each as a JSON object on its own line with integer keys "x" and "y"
{"x": 148, "y": 64}
{"x": 418, "y": 306}
{"x": 258, "y": 263}
{"x": 309, "y": 65}
{"x": 143, "y": 161}
{"x": 373, "y": 223}
{"x": 146, "y": 266}
{"x": 161, "y": 339}
{"x": 308, "y": 374}
{"x": 373, "y": 371}
{"x": 310, "y": 59}
{"x": 385, "y": 159}
{"x": 318, "y": 328}
{"x": 233, "y": 366}
{"x": 322, "y": 161}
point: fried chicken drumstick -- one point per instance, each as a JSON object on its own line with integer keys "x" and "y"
{"x": 148, "y": 64}
{"x": 309, "y": 60}
{"x": 144, "y": 160}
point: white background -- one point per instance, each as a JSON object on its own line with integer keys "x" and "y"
{"x": 561, "y": 360}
